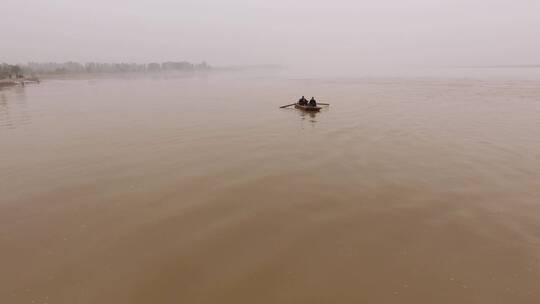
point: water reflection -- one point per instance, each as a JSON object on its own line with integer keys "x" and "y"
{"x": 13, "y": 108}
{"x": 308, "y": 116}
{"x": 5, "y": 117}
{"x": 312, "y": 117}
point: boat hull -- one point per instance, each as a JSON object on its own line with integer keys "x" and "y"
{"x": 307, "y": 108}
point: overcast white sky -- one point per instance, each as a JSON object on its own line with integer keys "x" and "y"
{"x": 288, "y": 32}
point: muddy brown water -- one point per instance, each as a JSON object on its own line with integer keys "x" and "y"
{"x": 198, "y": 189}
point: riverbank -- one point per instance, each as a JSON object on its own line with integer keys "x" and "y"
{"x": 19, "y": 81}
{"x": 7, "y": 83}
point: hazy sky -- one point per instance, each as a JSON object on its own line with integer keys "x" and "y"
{"x": 301, "y": 32}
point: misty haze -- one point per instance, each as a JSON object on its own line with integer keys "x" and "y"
{"x": 270, "y": 151}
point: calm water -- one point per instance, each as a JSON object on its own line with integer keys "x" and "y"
{"x": 198, "y": 189}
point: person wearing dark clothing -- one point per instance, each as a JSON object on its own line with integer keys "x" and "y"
{"x": 312, "y": 102}
{"x": 302, "y": 101}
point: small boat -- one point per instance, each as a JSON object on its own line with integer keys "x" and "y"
{"x": 307, "y": 107}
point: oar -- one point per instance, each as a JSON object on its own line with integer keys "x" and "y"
{"x": 292, "y": 104}
{"x": 324, "y": 104}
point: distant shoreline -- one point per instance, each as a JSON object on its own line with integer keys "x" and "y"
{"x": 515, "y": 66}
{"x": 7, "y": 82}
{"x": 81, "y": 75}
{"x": 18, "y": 81}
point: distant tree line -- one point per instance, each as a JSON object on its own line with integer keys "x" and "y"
{"x": 43, "y": 68}
{"x": 10, "y": 71}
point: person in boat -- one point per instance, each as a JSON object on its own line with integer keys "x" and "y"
{"x": 312, "y": 102}
{"x": 302, "y": 101}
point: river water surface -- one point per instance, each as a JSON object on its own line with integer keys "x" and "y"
{"x": 199, "y": 189}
